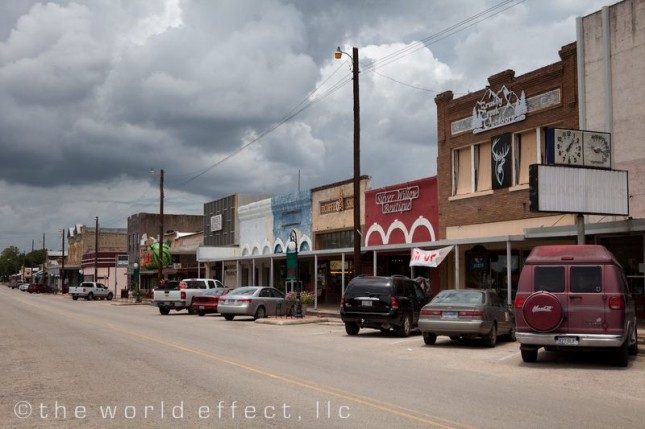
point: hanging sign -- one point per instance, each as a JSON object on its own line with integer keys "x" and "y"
{"x": 428, "y": 258}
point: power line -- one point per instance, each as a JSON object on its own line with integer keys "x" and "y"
{"x": 368, "y": 68}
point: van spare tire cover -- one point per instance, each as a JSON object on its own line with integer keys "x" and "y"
{"x": 542, "y": 311}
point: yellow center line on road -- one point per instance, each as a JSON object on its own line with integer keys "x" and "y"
{"x": 409, "y": 414}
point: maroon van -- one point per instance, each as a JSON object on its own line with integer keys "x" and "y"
{"x": 573, "y": 297}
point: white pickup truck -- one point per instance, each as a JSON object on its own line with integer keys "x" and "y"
{"x": 91, "y": 290}
{"x": 174, "y": 295}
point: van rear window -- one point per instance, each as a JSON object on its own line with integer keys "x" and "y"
{"x": 586, "y": 279}
{"x": 548, "y": 279}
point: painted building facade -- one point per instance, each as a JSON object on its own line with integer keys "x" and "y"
{"x": 404, "y": 213}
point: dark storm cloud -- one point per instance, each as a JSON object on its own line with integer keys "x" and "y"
{"x": 94, "y": 94}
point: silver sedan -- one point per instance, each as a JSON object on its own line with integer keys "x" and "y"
{"x": 256, "y": 301}
{"x": 467, "y": 313}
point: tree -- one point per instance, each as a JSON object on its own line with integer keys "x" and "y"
{"x": 35, "y": 258}
{"x": 10, "y": 261}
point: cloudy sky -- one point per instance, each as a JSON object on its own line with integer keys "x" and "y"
{"x": 235, "y": 96}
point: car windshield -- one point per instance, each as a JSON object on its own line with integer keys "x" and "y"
{"x": 244, "y": 291}
{"x": 459, "y": 297}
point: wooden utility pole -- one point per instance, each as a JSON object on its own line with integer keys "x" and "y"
{"x": 161, "y": 232}
{"x": 357, "y": 168}
{"x": 96, "y": 250}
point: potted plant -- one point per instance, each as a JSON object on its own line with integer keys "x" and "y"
{"x": 306, "y": 299}
{"x": 136, "y": 293}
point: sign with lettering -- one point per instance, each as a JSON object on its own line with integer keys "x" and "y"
{"x": 496, "y": 109}
{"x": 216, "y": 223}
{"x": 397, "y": 200}
{"x": 428, "y": 258}
{"x": 333, "y": 206}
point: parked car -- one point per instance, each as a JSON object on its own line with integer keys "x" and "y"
{"x": 23, "y": 287}
{"x": 39, "y": 288}
{"x": 91, "y": 291}
{"x": 178, "y": 295}
{"x": 207, "y": 302}
{"x": 467, "y": 313}
{"x": 575, "y": 297}
{"x": 256, "y": 301}
{"x": 382, "y": 303}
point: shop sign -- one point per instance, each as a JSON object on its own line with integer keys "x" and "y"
{"x": 497, "y": 109}
{"x": 397, "y": 200}
{"x": 216, "y": 223}
{"x": 337, "y": 205}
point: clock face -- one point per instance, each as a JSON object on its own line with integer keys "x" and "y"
{"x": 597, "y": 149}
{"x": 568, "y": 147}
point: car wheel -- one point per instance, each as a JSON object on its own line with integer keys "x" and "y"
{"x": 352, "y": 328}
{"x": 191, "y": 310}
{"x": 622, "y": 354}
{"x": 455, "y": 337}
{"x": 74, "y": 298}
{"x": 260, "y": 313}
{"x": 200, "y": 313}
{"x": 529, "y": 356}
{"x": 90, "y": 296}
{"x": 403, "y": 330}
{"x": 110, "y": 296}
{"x": 229, "y": 316}
{"x": 163, "y": 310}
{"x": 491, "y": 340}
{"x": 429, "y": 338}
{"x": 633, "y": 349}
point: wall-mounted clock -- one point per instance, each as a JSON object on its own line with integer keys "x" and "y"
{"x": 597, "y": 149}
{"x": 567, "y": 147}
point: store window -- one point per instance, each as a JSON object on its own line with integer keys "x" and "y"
{"x": 335, "y": 240}
{"x": 462, "y": 169}
{"x": 525, "y": 153}
{"x": 483, "y": 181}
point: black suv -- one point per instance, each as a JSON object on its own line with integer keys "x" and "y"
{"x": 382, "y": 303}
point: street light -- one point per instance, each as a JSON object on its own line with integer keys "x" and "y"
{"x": 135, "y": 275}
{"x": 357, "y": 159}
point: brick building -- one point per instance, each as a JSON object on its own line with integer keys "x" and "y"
{"x": 486, "y": 142}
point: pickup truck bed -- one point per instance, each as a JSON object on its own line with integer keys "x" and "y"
{"x": 178, "y": 296}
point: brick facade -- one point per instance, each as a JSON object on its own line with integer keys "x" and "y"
{"x": 511, "y": 203}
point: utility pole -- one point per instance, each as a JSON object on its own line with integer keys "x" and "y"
{"x": 161, "y": 229}
{"x": 43, "y": 273}
{"x": 357, "y": 168}
{"x": 96, "y": 250}
{"x": 62, "y": 270}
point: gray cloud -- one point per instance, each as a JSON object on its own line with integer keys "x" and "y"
{"x": 94, "y": 94}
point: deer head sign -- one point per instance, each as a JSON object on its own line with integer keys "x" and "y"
{"x": 499, "y": 152}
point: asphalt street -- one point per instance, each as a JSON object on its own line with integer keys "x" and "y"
{"x": 98, "y": 364}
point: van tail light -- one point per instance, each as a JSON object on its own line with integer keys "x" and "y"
{"x": 431, "y": 312}
{"x": 616, "y": 303}
{"x": 473, "y": 314}
{"x": 342, "y": 301}
{"x": 394, "y": 303}
{"x": 519, "y": 301}
{"x": 182, "y": 295}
